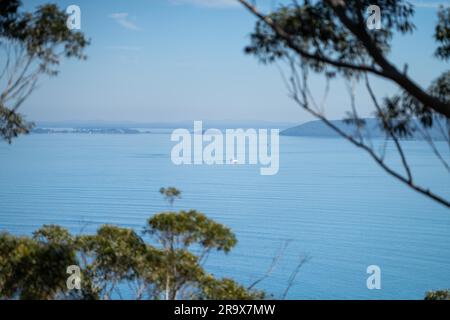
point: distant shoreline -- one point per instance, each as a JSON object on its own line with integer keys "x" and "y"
{"x": 319, "y": 129}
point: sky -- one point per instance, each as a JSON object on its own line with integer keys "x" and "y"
{"x": 183, "y": 60}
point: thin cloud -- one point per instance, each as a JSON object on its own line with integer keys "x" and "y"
{"x": 125, "y": 48}
{"x": 430, "y": 4}
{"x": 221, "y": 4}
{"x": 122, "y": 19}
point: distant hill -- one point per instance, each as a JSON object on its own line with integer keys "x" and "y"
{"x": 318, "y": 128}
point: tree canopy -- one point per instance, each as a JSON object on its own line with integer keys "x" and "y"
{"x": 167, "y": 266}
{"x": 32, "y": 44}
{"x": 170, "y": 194}
{"x": 330, "y": 38}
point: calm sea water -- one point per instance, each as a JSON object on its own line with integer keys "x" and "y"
{"x": 328, "y": 200}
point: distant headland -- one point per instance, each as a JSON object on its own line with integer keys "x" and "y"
{"x": 318, "y": 128}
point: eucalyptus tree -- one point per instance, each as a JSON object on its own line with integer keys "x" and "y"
{"x": 177, "y": 232}
{"x": 32, "y": 45}
{"x": 115, "y": 259}
{"x": 335, "y": 39}
{"x": 170, "y": 194}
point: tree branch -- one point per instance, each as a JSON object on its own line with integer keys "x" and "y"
{"x": 290, "y": 43}
{"x": 388, "y": 69}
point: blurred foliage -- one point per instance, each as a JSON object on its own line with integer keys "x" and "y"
{"x": 33, "y": 44}
{"x": 170, "y": 194}
{"x": 442, "y": 34}
{"x": 227, "y": 289}
{"x": 401, "y": 111}
{"x": 35, "y": 267}
{"x": 31, "y": 269}
{"x": 315, "y": 28}
{"x": 438, "y": 295}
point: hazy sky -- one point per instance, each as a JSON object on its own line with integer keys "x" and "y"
{"x": 175, "y": 60}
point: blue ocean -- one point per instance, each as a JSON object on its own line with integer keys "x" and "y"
{"x": 329, "y": 202}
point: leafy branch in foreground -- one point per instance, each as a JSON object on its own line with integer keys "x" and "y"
{"x": 330, "y": 38}
{"x": 32, "y": 44}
